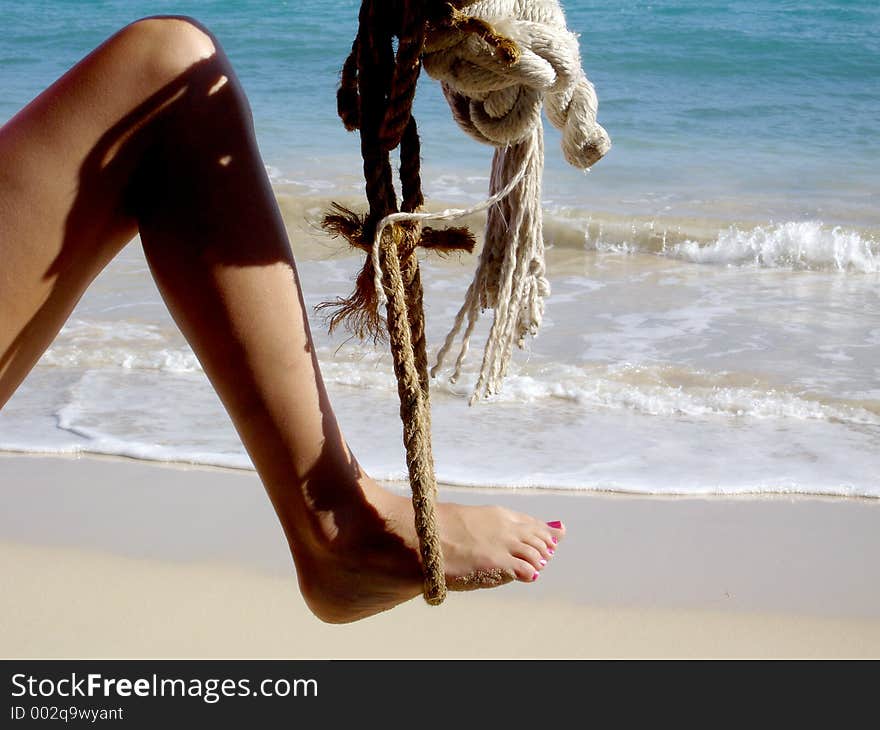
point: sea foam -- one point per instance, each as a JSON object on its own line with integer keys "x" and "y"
{"x": 804, "y": 245}
{"x": 793, "y": 245}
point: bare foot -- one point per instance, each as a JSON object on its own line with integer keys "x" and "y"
{"x": 364, "y": 560}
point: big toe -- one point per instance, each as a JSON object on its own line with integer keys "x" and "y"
{"x": 556, "y": 531}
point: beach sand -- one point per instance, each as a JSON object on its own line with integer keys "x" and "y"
{"x": 119, "y": 558}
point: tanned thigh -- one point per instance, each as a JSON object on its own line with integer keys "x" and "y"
{"x": 67, "y": 162}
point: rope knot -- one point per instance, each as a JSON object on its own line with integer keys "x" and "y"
{"x": 497, "y": 100}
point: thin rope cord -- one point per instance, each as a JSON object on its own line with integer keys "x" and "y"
{"x": 385, "y": 88}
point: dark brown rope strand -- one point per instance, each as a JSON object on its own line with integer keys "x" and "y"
{"x": 386, "y": 88}
{"x": 377, "y": 89}
{"x": 407, "y": 66}
{"x": 348, "y": 103}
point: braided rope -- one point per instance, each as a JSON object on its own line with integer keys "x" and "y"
{"x": 375, "y": 95}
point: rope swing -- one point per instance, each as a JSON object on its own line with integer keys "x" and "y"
{"x": 499, "y": 62}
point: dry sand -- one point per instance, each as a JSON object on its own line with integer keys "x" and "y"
{"x": 117, "y": 558}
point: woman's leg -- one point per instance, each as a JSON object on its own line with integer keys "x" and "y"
{"x": 152, "y": 132}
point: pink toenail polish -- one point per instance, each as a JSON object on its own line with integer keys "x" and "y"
{"x": 551, "y": 551}
{"x": 556, "y": 524}
{"x": 542, "y": 561}
{"x": 555, "y": 539}
{"x": 535, "y": 577}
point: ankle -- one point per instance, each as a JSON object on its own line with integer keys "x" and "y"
{"x": 330, "y": 514}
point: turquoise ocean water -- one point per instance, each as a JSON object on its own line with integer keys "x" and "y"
{"x": 715, "y": 322}
{"x": 759, "y": 109}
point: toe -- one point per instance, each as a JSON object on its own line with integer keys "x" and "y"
{"x": 557, "y": 531}
{"x": 529, "y": 554}
{"x": 525, "y": 571}
{"x": 542, "y": 543}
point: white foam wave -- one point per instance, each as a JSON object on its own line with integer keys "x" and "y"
{"x": 168, "y": 360}
{"x": 72, "y": 417}
{"x": 108, "y": 446}
{"x": 533, "y": 438}
{"x": 610, "y": 391}
{"x": 644, "y": 390}
{"x": 793, "y": 246}
{"x": 804, "y": 245}
{"x": 129, "y": 345}
{"x": 495, "y": 479}
{"x": 650, "y": 391}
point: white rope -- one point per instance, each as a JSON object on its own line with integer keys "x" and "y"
{"x": 500, "y": 104}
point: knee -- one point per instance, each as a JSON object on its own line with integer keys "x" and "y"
{"x": 167, "y": 46}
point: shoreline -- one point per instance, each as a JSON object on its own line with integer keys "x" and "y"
{"x": 114, "y": 557}
{"x": 486, "y": 490}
